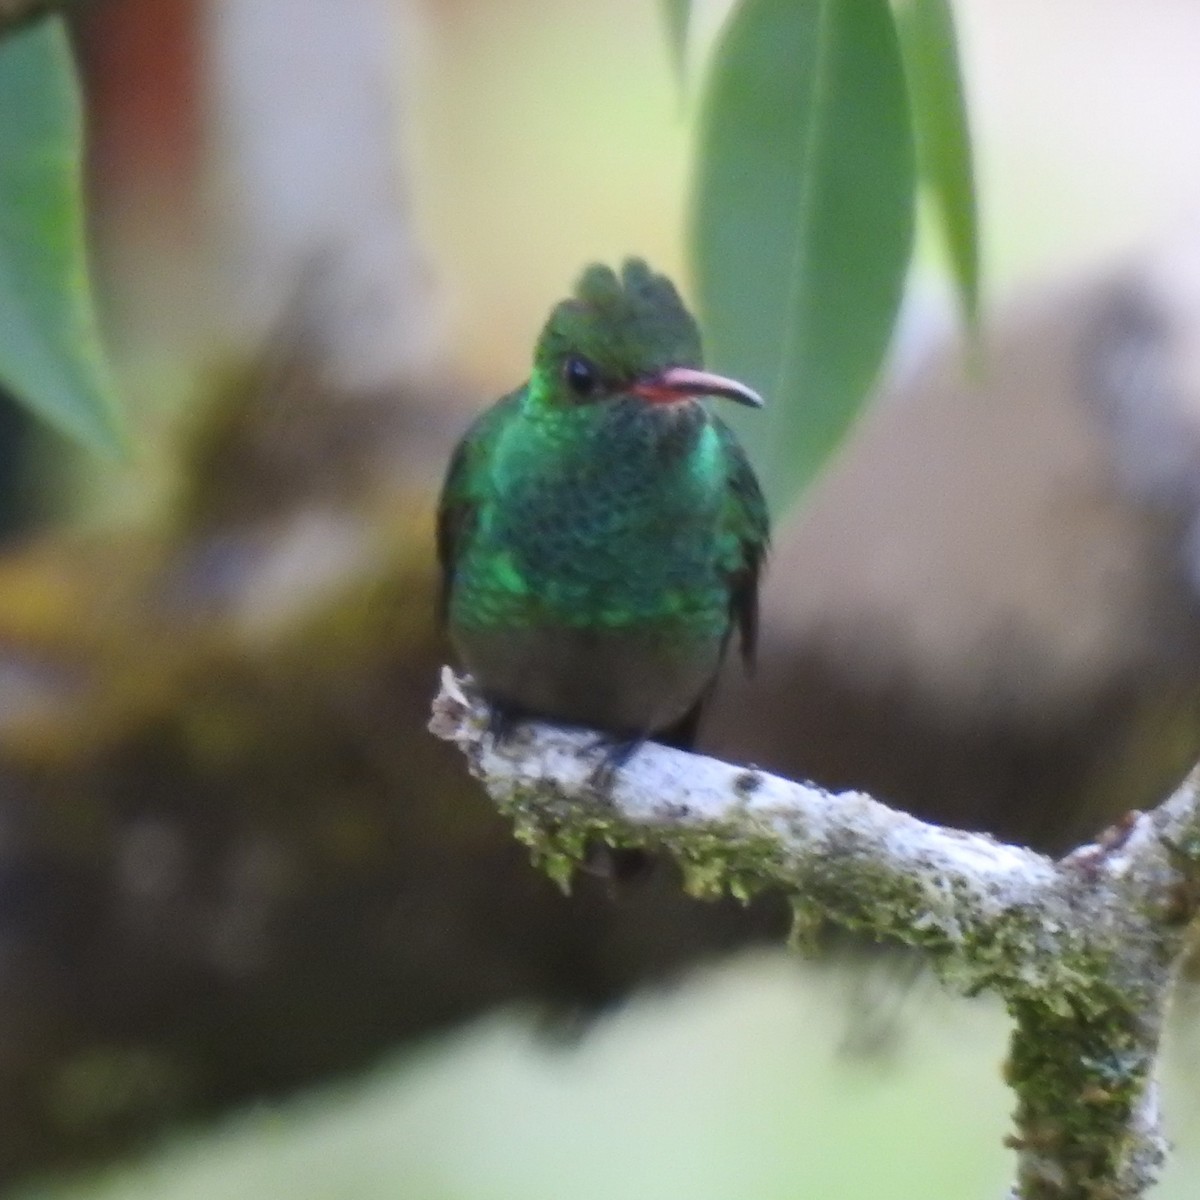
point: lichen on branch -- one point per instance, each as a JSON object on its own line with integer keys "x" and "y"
{"x": 1082, "y": 951}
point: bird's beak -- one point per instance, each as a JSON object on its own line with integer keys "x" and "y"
{"x": 677, "y": 383}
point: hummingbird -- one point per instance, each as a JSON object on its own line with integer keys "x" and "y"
{"x": 601, "y": 532}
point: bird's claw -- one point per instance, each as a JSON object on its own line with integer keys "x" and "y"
{"x": 502, "y": 723}
{"x": 613, "y": 753}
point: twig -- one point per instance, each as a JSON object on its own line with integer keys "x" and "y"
{"x": 1083, "y": 951}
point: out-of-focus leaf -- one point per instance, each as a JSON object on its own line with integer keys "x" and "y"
{"x": 943, "y": 137}
{"x": 50, "y": 354}
{"x": 802, "y": 218}
{"x": 676, "y": 17}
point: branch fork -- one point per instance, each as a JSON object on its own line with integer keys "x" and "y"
{"x": 1084, "y": 951}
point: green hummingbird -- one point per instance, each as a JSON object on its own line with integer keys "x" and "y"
{"x": 601, "y": 532}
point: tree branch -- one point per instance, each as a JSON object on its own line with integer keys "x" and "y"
{"x": 1082, "y": 951}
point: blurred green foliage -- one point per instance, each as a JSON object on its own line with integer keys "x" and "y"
{"x": 944, "y": 164}
{"x": 803, "y": 207}
{"x": 50, "y": 353}
{"x": 676, "y": 17}
{"x": 736, "y": 1085}
{"x": 731, "y": 1087}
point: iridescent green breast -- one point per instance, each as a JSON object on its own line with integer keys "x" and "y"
{"x": 612, "y": 520}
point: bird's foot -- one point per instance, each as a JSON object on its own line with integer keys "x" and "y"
{"x": 613, "y": 753}
{"x": 502, "y": 722}
{"x": 616, "y": 866}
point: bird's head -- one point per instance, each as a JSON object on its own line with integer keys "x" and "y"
{"x": 624, "y": 336}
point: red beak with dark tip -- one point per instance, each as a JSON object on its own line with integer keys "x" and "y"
{"x": 678, "y": 383}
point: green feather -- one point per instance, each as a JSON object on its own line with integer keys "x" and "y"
{"x": 605, "y": 512}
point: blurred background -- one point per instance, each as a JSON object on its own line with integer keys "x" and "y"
{"x": 258, "y": 934}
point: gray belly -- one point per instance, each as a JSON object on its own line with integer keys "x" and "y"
{"x": 617, "y": 681}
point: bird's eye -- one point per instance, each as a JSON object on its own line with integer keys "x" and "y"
{"x": 580, "y": 375}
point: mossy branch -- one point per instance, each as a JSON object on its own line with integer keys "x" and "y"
{"x": 1083, "y": 951}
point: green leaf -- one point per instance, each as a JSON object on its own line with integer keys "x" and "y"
{"x": 676, "y": 17}
{"x": 943, "y": 137}
{"x": 50, "y": 353}
{"x": 802, "y": 219}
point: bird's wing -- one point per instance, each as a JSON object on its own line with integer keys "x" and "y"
{"x": 464, "y": 488}
{"x": 749, "y": 524}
